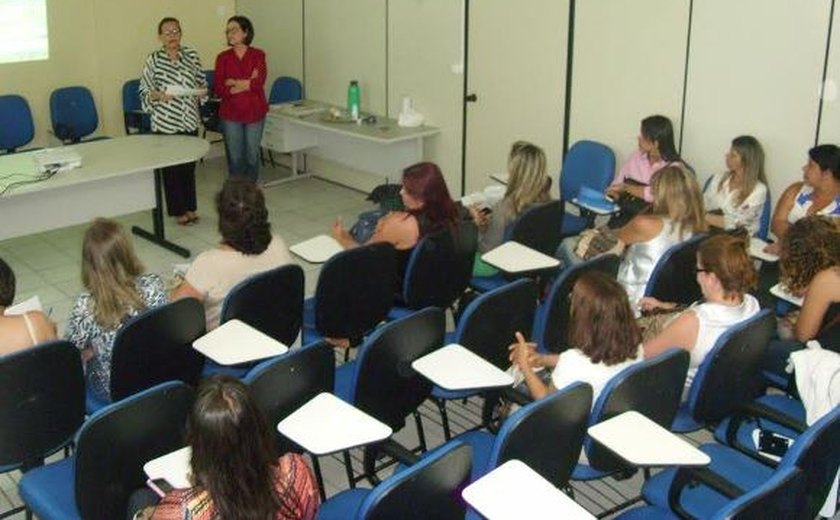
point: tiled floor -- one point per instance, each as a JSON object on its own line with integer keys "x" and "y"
{"x": 48, "y": 264}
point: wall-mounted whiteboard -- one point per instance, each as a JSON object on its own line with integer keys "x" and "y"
{"x": 23, "y": 31}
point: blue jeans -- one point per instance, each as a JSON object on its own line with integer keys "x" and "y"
{"x": 566, "y": 252}
{"x": 242, "y": 146}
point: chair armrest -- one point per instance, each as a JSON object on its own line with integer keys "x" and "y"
{"x": 398, "y": 451}
{"x": 759, "y": 411}
{"x": 515, "y": 396}
{"x": 685, "y": 476}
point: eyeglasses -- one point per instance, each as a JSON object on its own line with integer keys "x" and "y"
{"x": 172, "y": 32}
{"x": 701, "y": 270}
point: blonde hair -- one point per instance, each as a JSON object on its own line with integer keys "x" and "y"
{"x": 752, "y": 157}
{"x": 109, "y": 268}
{"x": 528, "y": 182}
{"x": 676, "y": 195}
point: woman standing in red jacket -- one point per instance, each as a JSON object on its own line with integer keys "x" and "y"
{"x": 240, "y": 83}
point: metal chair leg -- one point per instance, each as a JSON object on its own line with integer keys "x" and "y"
{"x": 421, "y": 433}
{"x": 444, "y": 418}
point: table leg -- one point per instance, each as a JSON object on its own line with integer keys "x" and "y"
{"x": 157, "y": 235}
{"x": 348, "y": 467}
{"x": 319, "y": 478}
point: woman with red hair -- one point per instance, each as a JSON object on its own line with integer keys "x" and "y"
{"x": 428, "y": 208}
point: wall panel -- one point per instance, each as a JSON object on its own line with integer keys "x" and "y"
{"x": 628, "y": 63}
{"x": 754, "y": 68}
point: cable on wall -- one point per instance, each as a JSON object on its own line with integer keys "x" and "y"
{"x": 824, "y": 74}
{"x": 685, "y": 74}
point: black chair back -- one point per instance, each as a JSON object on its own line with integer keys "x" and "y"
{"x": 355, "y": 290}
{"x": 428, "y": 489}
{"x": 42, "y": 402}
{"x": 674, "y": 277}
{"x": 386, "y": 386}
{"x": 555, "y": 320}
{"x": 118, "y": 440}
{"x": 729, "y": 375}
{"x": 440, "y": 267}
{"x": 156, "y": 346}
{"x": 540, "y": 227}
{"x": 489, "y": 322}
{"x": 815, "y": 452}
{"x": 547, "y": 434}
{"x": 271, "y": 302}
{"x": 783, "y": 494}
{"x": 462, "y": 269}
{"x": 282, "y": 385}
{"x": 652, "y": 387}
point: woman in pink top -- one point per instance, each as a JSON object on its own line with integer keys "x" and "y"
{"x": 240, "y": 83}
{"x": 656, "y": 150}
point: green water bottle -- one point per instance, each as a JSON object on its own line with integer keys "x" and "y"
{"x": 353, "y": 100}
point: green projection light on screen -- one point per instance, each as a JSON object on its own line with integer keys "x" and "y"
{"x": 23, "y": 31}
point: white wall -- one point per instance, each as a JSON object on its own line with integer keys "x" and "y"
{"x": 754, "y": 68}
{"x": 278, "y": 29}
{"x": 629, "y": 62}
{"x": 830, "y": 121}
{"x": 102, "y": 43}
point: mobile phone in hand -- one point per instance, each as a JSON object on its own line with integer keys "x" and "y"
{"x": 160, "y": 486}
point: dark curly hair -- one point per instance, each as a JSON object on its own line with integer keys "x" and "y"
{"x": 243, "y": 217}
{"x": 810, "y": 245}
{"x": 7, "y": 284}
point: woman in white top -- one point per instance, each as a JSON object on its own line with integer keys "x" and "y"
{"x": 604, "y": 335}
{"x": 817, "y": 194}
{"x": 20, "y": 331}
{"x": 247, "y": 248}
{"x": 725, "y": 272}
{"x": 739, "y": 193}
{"x": 675, "y": 216}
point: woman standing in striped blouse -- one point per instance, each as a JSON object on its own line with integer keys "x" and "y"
{"x": 174, "y": 65}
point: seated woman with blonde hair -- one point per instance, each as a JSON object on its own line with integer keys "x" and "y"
{"x": 736, "y": 197}
{"x": 604, "y": 339}
{"x": 725, "y": 272}
{"x": 19, "y": 331}
{"x": 675, "y": 216}
{"x": 117, "y": 289}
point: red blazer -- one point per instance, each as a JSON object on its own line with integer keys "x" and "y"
{"x": 244, "y": 107}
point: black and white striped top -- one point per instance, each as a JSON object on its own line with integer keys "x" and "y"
{"x": 179, "y": 114}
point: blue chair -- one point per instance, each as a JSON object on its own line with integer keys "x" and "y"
{"x": 728, "y": 378}
{"x": 154, "y": 347}
{"x": 73, "y": 114}
{"x": 783, "y": 494}
{"x": 134, "y": 119}
{"x": 283, "y": 384}
{"x": 487, "y": 326}
{"x": 590, "y": 164}
{"x": 42, "y": 404}
{"x": 380, "y": 381}
{"x": 546, "y": 434}
{"x": 354, "y": 293}
{"x": 700, "y": 493}
{"x": 551, "y": 322}
{"x": 538, "y": 227}
{"x": 652, "y": 387}
{"x": 428, "y": 489}
{"x": 16, "y": 126}
{"x": 285, "y": 89}
{"x": 674, "y": 277}
{"x": 438, "y": 271}
{"x": 111, "y": 449}
{"x": 271, "y": 302}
